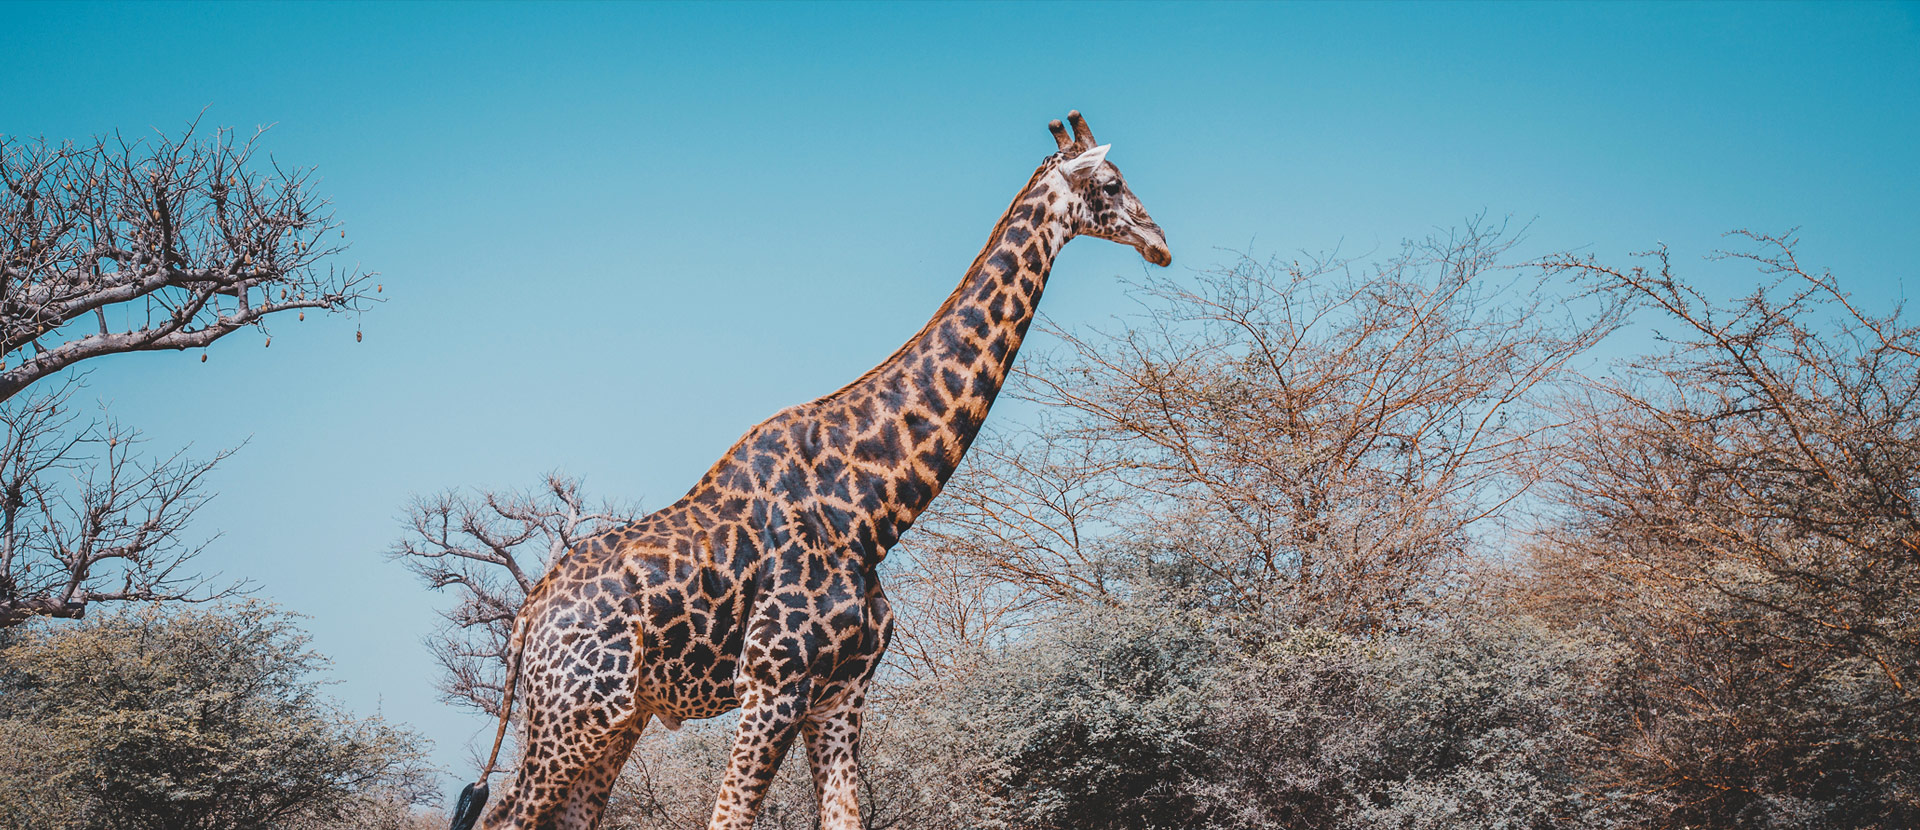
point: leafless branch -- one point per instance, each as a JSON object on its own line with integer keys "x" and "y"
{"x": 85, "y": 519}
{"x": 124, "y": 246}
{"x": 491, "y": 548}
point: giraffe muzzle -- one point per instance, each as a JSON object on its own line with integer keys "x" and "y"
{"x": 1152, "y": 245}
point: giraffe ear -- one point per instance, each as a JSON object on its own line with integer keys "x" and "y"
{"x": 1080, "y": 167}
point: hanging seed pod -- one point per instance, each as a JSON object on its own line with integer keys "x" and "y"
{"x": 269, "y": 343}
{"x": 356, "y": 336}
{"x": 113, "y": 441}
{"x": 377, "y": 288}
{"x": 203, "y": 357}
{"x": 303, "y": 315}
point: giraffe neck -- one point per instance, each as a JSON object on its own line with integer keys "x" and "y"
{"x": 914, "y": 416}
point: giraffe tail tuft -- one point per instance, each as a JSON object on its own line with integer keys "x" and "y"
{"x": 467, "y": 810}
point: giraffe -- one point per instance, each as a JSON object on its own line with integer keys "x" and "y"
{"x": 758, "y": 590}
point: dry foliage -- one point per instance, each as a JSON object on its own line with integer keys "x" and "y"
{"x": 163, "y": 716}
{"x": 1740, "y": 510}
{"x": 1312, "y": 442}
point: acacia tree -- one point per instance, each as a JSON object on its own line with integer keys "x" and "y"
{"x": 492, "y": 547}
{"x": 1309, "y": 442}
{"x": 120, "y": 246}
{"x": 1740, "y": 512}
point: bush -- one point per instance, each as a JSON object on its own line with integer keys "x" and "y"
{"x": 191, "y": 719}
{"x": 1145, "y": 716}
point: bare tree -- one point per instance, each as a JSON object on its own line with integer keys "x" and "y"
{"x": 124, "y": 246}
{"x": 1740, "y": 510}
{"x": 492, "y": 548}
{"x": 1309, "y": 441}
{"x": 84, "y": 519}
{"x": 1026, "y": 523}
{"x": 121, "y": 246}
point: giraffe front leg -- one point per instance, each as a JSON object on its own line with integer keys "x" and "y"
{"x": 832, "y": 728}
{"x": 769, "y": 717}
{"x": 833, "y": 751}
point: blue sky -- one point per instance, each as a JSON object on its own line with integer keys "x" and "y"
{"x": 615, "y": 236}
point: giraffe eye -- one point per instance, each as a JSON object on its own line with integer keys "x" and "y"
{"x": 1110, "y": 188}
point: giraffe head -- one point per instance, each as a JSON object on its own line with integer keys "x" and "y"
{"x": 1097, "y": 199}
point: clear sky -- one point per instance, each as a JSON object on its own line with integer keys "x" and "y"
{"x": 615, "y": 236}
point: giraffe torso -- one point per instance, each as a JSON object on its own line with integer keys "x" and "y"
{"x": 767, "y": 565}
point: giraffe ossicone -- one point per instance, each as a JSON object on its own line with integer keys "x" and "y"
{"x": 758, "y": 589}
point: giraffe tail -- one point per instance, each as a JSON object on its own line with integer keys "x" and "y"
{"x": 467, "y": 811}
{"x": 473, "y": 798}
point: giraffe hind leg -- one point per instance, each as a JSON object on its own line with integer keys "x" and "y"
{"x": 578, "y": 721}
{"x": 588, "y": 797}
{"x": 556, "y": 760}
